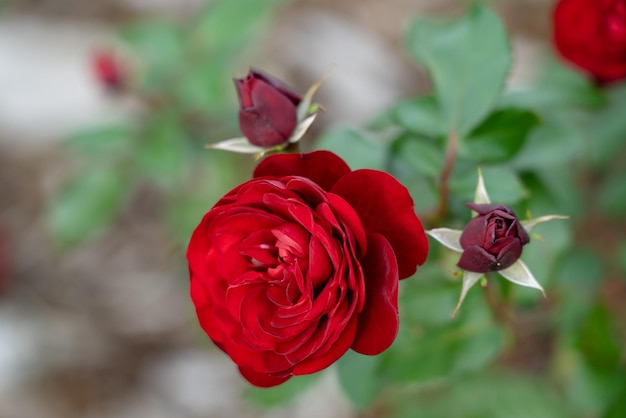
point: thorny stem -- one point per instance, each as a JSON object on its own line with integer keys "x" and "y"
{"x": 444, "y": 179}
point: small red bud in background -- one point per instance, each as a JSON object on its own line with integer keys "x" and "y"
{"x": 108, "y": 70}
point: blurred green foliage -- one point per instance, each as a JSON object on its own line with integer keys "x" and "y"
{"x": 180, "y": 75}
{"x": 555, "y": 147}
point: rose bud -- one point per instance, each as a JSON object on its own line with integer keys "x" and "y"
{"x": 293, "y": 268}
{"x": 492, "y": 240}
{"x": 108, "y": 70}
{"x": 591, "y": 34}
{"x": 268, "y": 112}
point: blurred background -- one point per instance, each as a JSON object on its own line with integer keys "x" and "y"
{"x": 104, "y": 108}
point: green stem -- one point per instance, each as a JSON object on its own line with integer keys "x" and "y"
{"x": 444, "y": 179}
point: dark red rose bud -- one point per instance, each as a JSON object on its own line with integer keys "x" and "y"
{"x": 108, "y": 70}
{"x": 492, "y": 240}
{"x": 591, "y": 34}
{"x": 268, "y": 112}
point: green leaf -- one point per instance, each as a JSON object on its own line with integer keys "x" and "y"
{"x": 231, "y": 24}
{"x": 612, "y": 195}
{"x": 605, "y": 130}
{"x": 162, "y": 154}
{"x": 577, "y": 280}
{"x": 419, "y": 115}
{"x": 86, "y": 205}
{"x": 205, "y": 88}
{"x": 281, "y": 394}
{"x": 158, "y": 47}
{"x": 558, "y": 88}
{"x": 215, "y": 43}
{"x": 421, "y": 154}
{"x": 468, "y": 61}
{"x": 589, "y": 390}
{"x": 214, "y": 174}
{"x": 430, "y": 300}
{"x": 500, "y": 136}
{"x": 102, "y": 142}
{"x": 487, "y": 395}
{"x": 424, "y": 353}
{"x": 554, "y": 142}
{"x": 421, "y": 188}
{"x": 359, "y": 378}
{"x": 502, "y": 183}
{"x": 617, "y": 409}
{"x": 356, "y": 147}
{"x": 562, "y": 185}
{"x": 599, "y": 342}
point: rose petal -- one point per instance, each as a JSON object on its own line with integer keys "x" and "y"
{"x": 272, "y": 116}
{"x": 262, "y": 380}
{"x": 349, "y": 217}
{"x": 509, "y": 254}
{"x": 320, "y": 266}
{"x": 385, "y": 207}
{"x": 338, "y": 348}
{"x": 378, "y": 322}
{"x": 485, "y": 208}
{"x": 258, "y": 360}
{"x": 198, "y": 246}
{"x": 474, "y": 232}
{"x": 206, "y": 312}
{"x": 292, "y": 237}
{"x": 476, "y": 259}
{"x": 322, "y": 167}
{"x": 278, "y": 84}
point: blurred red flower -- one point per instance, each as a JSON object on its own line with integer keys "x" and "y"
{"x": 592, "y": 35}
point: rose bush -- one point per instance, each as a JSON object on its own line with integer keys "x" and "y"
{"x": 492, "y": 240}
{"x": 296, "y": 266}
{"x": 268, "y": 109}
{"x": 592, "y": 35}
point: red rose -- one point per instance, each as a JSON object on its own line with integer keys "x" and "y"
{"x": 268, "y": 112}
{"x": 592, "y": 35}
{"x": 296, "y": 266}
{"x": 492, "y": 240}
